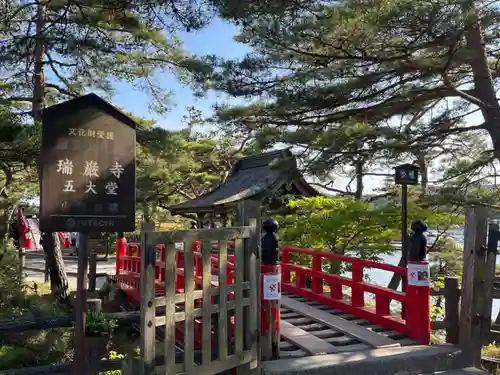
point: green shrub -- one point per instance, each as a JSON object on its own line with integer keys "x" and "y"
{"x": 97, "y": 324}
{"x": 19, "y": 301}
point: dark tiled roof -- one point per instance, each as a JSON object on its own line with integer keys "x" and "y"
{"x": 251, "y": 177}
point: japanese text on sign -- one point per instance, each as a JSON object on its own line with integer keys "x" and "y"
{"x": 91, "y": 169}
{"x": 91, "y": 133}
{"x": 407, "y": 175}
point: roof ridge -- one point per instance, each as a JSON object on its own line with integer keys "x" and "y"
{"x": 261, "y": 160}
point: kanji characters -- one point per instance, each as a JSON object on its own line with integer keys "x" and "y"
{"x": 91, "y": 169}
{"x": 91, "y": 133}
{"x": 65, "y": 166}
{"x": 90, "y": 188}
{"x": 69, "y": 187}
{"x": 110, "y": 188}
{"x": 116, "y": 170}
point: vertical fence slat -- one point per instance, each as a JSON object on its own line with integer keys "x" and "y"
{"x": 147, "y": 305}
{"x": 238, "y": 291}
{"x": 170, "y": 278}
{"x": 222, "y": 320}
{"x": 189, "y": 307}
{"x": 475, "y": 232}
{"x": 451, "y": 306}
{"x": 206, "y": 348}
{"x": 254, "y": 278}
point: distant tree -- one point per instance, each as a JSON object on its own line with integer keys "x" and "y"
{"x": 326, "y": 77}
{"x": 347, "y": 226}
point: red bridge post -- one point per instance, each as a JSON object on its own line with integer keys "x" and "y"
{"x": 270, "y": 283}
{"x": 270, "y": 280}
{"x": 418, "y": 306}
{"x": 121, "y": 249}
{"x": 26, "y": 238}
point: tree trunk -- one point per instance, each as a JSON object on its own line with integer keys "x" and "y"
{"x": 50, "y": 244}
{"x": 358, "y": 165}
{"x": 396, "y": 277}
{"x": 484, "y": 87}
{"x": 57, "y": 273}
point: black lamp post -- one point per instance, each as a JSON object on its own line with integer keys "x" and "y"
{"x": 405, "y": 174}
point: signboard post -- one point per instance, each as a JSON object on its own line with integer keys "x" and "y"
{"x": 404, "y": 175}
{"x": 87, "y": 181}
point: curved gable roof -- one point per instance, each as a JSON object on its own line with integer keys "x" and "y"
{"x": 251, "y": 178}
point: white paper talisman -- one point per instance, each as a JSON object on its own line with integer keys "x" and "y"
{"x": 272, "y": 287}
{"x": 419, "y": 274}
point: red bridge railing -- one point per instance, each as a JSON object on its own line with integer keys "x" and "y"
{"x": 325, "y": 288}
{"x": 128, "y": 266}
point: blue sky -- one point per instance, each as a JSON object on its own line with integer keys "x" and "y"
{"x": 217, "y": 39}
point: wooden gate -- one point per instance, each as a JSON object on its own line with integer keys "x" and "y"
{"x": 208, "y": 326}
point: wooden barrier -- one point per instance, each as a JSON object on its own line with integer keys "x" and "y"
{"x": 450, "y": 323}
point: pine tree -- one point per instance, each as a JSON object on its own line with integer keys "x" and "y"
{"x": 59, "y": 49}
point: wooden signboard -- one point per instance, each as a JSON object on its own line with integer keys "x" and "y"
{"x": 88, "y": 168}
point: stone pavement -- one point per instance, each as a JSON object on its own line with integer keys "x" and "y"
{"x": 71, "y": 267}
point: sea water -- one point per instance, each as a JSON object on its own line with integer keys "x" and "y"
{"x": 381, "y": 277}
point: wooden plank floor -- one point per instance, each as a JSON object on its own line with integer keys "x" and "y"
{"x": 311, "y": 320}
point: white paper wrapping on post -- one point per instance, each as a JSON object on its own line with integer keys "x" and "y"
{"x": 419, "y": 274}
{"x": 272, "y": 287}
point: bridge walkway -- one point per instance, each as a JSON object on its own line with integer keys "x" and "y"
{"x": 309, "y": 328}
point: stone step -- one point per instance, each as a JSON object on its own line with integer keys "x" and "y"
{"x": 387, "y": 361}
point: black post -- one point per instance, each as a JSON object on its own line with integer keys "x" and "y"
{"x": 404, "y": 231}
{"x": 404, "y": 222}
{"x": 405, "y": 174}
{"x": 418, "y": 242}
{"x": 270, "y": 246}
{"x": 270, "y": 308}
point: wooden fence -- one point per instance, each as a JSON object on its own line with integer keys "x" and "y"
{"x": 451, "y": 294}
